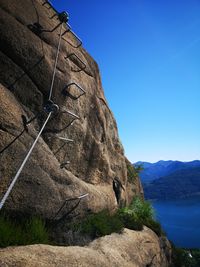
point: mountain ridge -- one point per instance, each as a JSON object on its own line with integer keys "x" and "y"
{"x": 153, "y": 171}
{"x": 180, "y": 184}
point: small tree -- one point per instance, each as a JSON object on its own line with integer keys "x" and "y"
{"x": 133, "y": 171}
{"x": 139, "y": 168}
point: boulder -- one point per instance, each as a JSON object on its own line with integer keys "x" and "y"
{"x": 129, "y": 249}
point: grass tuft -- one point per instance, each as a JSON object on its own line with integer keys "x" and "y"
{"x": 101, "y": 224}
{"x": 133, "y": 217}
{"x": 31, "y": 231}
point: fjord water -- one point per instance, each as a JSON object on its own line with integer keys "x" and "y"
{"x": 180, "y": 220}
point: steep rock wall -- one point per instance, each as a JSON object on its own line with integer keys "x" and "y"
{"x": 96, "y": 156}
{"x": 97, "y": 161}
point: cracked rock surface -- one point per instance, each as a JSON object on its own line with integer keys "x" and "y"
{"x": 96, "y": 156}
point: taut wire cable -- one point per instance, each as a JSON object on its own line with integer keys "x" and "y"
{"x": 56, "y": 62}
{"x": 3, "y": 200}
{"x": 22, "y": 165}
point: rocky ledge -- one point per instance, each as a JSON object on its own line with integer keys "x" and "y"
{"x": 129, "y": 249}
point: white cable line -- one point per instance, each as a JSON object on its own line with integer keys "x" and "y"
{"x": 22, "y": 166}
{"x": 2, "y": 202}
{"x": 38, "y": 136}
{"x": 56, "y": 61}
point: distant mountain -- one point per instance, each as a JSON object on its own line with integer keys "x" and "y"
{"x": 153, "y": 171}
{"x": 180, "y": 184}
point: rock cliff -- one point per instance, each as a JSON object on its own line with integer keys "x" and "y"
{"x": 93, "y": 164}
{"x": 96, "y": 156}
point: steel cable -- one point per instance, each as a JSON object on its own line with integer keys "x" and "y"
{"x": 3, "y": 200}
{"x": 22, "y": 165}
{"x": 56, "y": 62}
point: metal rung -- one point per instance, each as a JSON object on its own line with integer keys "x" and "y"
{"x": 72, "y": 114}
{"x": 62, "y": 146}
{"x": 84, "y": 65}
{"x": 38, "y": 29}
{"x": 77, "y": 198}
{"x": 62, "y": 129}
{"x": 82, "y": 196}
{"x": 62, "y": 16}
{"x": 72, "y": 209}
{"x": 65, "y": 139}
{"x": 77, "y": 86}
{"x": 25, "y": 122}
{"x": 76, "y": 37}
{"x": 67, "y": 30}
{"x": 65, "y": 92}
{"x": 7, "y": 146}
{"x": 50, "y": 5}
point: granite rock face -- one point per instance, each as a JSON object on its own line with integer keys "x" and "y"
{"x": 98, "y": 167}
{"x": 129, "y": 249}
{"x": 96, "y": 156}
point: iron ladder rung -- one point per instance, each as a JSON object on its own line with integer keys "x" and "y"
{"x": 77, "y": 86}
{"x": 79, "y": 41}
{"x": 81, "y": 68}
{"x": 72, "y": 114}
{"x": 65, "y": 139}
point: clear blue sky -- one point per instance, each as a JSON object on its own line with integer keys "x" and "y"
{"x": 148, "y": 52}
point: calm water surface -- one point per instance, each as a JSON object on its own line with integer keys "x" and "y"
{"x": 181, "y": 220}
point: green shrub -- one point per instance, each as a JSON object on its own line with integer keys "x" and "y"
{"x": 131, "y": 174}
{"x": 142, "y": 209}
{"x": 139, "y": 213}
{"x": 29, "y": 231}
{"x": 181, "y": 257}
{"x": 10, "y": 234}
{"x": 130, "y": 220}
{"x": 101, "y": 224}
{"x": 133, "y": 171}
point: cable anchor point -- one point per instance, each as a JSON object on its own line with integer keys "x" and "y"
{"x": 63, "y": 17}
{"x": 50, "y": 106}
